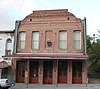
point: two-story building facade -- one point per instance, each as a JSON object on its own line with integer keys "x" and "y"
{"x": 50, "y": 48}
{"x": 6, "y": 48}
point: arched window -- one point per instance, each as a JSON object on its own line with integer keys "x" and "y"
{"x": 8, "y": 46}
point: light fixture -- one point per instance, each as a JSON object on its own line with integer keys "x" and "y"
{"x": 49, "y": 43}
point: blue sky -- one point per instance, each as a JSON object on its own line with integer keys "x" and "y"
{"x": 12, "y": 10}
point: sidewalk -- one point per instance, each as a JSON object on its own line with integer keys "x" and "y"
{"x": 59, "y": 86}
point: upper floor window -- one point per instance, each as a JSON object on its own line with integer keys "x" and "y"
{"x": 63, "y": 40}
{"x": 22, "y": 38}
{"x": 77, "y": 40}
{"x": 8, "y": 44}
{"x": 35, "y": 40}
{"x": 8, "y": 48}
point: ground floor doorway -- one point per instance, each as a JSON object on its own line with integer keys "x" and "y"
{"x": 33, "y": 72}
{"x": 20, "y": 71}
{"x": 47, "y": 72}
{"x": 62, "y": 71}
{"x": 77, "y": 72}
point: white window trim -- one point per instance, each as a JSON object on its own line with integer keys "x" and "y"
{"x": 36, "y": 40}
{"x": 66, "y": 40}
{"x": 80, "y": 40}
{"x": 19, "y": 44}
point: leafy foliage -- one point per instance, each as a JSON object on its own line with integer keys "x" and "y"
{"x": 93, "y": 50}
{"x": 89, "y": 46}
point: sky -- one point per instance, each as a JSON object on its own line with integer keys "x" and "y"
{"x": 12, "y": 10}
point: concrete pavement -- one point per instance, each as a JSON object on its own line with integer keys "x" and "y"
{"x": 59, "y": 86}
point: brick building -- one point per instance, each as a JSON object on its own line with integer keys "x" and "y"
{"x": 50, "y": 48}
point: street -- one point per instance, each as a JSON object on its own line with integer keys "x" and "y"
{"x": 59, "y": 86}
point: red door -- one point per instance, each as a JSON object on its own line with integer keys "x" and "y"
{"x": 20, "y": 73}
{"x": 77, "y": 72}
{"x": 47, "y": 72}
{"x": 34, "y": 72}
{"x": 62, "y": 72}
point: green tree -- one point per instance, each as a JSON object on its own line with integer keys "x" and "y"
{"x": 93, "y": 51}
{"x": 89, "y": 46}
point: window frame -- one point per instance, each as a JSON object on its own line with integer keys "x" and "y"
{"x": 61, "y": 41}
{"x": 20, "y": 42}
{"x": 8, "y": 42}
{"x": 79, "y": 47}
{"x": 36, "y": 41}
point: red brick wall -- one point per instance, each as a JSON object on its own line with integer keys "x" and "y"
{"x": 51, "y": 21}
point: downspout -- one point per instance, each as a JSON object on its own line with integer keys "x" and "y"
{"x": 84, "y": 35}
{"x": 84, "y": 50}
{"x": 17, "y": 24}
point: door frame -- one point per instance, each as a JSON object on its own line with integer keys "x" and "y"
{"x": 63, "y": 78}
{"x": 47, "y": 78}
{"x": 77, "y": 75}
{"x": 20, "y": 72}
{"x": 33, "y": 78}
